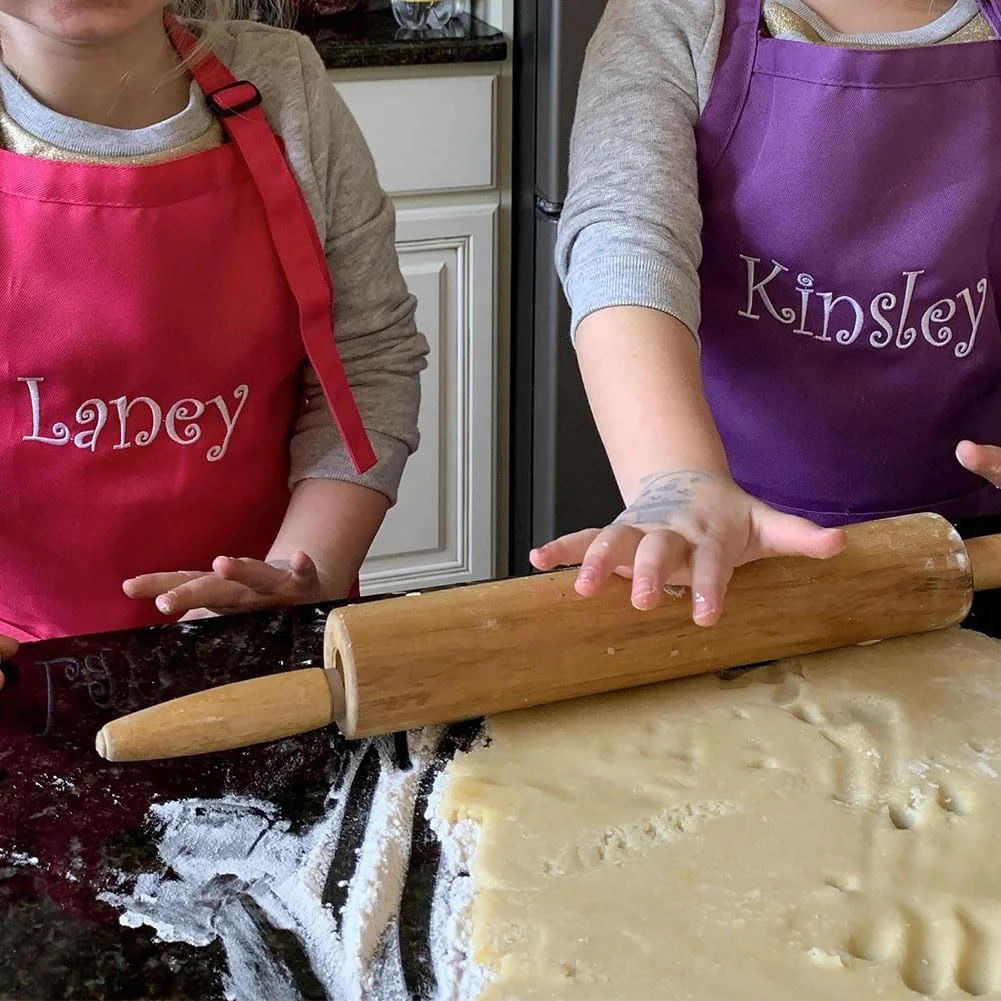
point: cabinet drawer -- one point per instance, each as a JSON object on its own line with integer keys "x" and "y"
{"x": 430, "y": 134}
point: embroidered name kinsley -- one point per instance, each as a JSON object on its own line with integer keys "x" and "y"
{"x": 138, "y": 421}
{"x": 948, "y": 321}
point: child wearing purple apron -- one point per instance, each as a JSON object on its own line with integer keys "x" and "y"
{"x": 782, "y": 249}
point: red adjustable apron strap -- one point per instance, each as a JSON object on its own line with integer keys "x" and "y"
{"x": 238, "y": 106}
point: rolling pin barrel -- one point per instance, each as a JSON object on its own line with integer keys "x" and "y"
{"x": 458, "y": 653}
{"x": 509, "y": 644}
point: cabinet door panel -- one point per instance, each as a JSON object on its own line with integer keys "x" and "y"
{"x": 442, "y": 528}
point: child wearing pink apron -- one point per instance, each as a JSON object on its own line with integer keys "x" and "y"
{"x": 156, "y": 315}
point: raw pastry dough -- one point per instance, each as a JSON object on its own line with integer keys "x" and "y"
{"x": 824, "y": 827}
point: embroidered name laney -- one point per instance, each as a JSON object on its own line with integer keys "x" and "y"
{"x": 137, "y": 421}
{"x": 949, "y": 321}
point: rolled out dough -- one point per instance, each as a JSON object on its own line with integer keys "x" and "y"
{"x": 824, "y": 827}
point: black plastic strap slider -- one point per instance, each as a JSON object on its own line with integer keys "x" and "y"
{"x": 233, "y": 99}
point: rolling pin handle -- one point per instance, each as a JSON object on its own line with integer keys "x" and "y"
{"x": 985, "y": 561}
{"x": 234, "y": 715}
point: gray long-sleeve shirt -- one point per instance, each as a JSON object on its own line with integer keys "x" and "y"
{"x": 382, "y": 351}
{"x": 630, "y": 232}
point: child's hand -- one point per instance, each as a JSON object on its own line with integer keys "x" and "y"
{"x": 8, "y": 648}
{"x": 688, "y": 527}
{"x": 232, "y": 585}
{"x": 984, "y": 460}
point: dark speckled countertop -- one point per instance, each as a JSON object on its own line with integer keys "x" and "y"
{"x": 372, "y": 39}
{"x": 73, "y": 826}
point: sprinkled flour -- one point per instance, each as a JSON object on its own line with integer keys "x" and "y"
{"x": 232, "y": 867}
{"x": 459, "y": 978}
{"x": 20, "y": 859}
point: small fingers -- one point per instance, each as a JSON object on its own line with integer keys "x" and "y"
{"x": 984, "y": 460}
{"x": 660, "y": 556}
{"x": 611, "y": 548}
{"x": 781, "y": 534}
{"x": 301, "y": 565}
{"x": 208, "y": 591}
{"x": 255, "y": 574}
{"x": 711, "y": 572}
{"x": 566, "y": 551}
{"x": 232, "y": 584}
{"x": 149, "y": 585}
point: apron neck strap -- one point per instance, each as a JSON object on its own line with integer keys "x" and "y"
{"x": 992, "y": 11}
{"x": 237, "y": 104}
{"x": 226, "y": 96}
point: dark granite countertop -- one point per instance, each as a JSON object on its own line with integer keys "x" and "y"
{"x": 370, "y": 39}
{"x": 74, "y": 827}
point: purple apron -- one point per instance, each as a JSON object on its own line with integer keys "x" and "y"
{"x": 852, "y": 234}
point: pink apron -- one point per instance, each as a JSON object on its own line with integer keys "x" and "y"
{"x": 154, "y": 321}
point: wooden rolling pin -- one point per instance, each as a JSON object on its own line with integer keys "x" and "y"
{"x": 459, "y": 653}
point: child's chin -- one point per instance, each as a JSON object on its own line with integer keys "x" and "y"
{"x": 84, "y": 21}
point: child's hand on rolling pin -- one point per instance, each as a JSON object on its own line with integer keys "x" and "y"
{"x": 232, "y": 585}
{"x": 688, "y": 527}
{"x": 984, "y": 460}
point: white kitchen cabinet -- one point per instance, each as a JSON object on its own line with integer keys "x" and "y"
{"x": 433, "y": 135}
{"x": 441, "y": 530}
{"x": 429, "y": 134}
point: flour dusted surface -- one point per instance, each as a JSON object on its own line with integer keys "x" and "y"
{"x": 822, "y": 828}
{"x": 236, "y": 866}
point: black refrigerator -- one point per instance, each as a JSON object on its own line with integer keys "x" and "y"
{"x": 560, "y": 478}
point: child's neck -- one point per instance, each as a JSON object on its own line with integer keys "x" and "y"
{"x": 127, "y": 82}
{"x": 863, "y": 17}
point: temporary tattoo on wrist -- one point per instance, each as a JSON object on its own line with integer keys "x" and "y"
{"x": 664, "y": 496}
